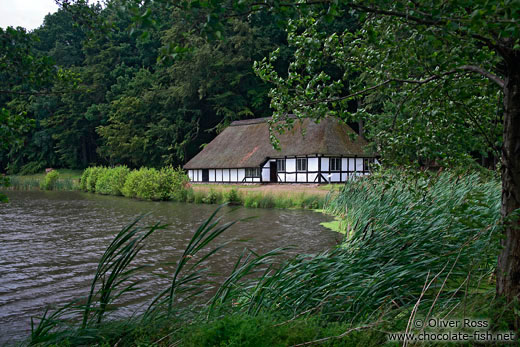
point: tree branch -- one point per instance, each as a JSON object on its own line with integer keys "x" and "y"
{"x": 366, "y": 90}
{"x": 481, "y": 71}
{"x": 466, "y": 68}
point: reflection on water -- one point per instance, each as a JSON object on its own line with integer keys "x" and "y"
{"x": 50, "y": 243}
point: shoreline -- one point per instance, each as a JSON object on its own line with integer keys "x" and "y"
{"x": 285, "y": 196}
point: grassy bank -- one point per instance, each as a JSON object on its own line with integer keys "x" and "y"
{"x": 415, "y": 249}
{"x": 170, "y": 184}
{"x": 68, "y": 180}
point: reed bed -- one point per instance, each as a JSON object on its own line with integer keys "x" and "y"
{"x": 400, "y": 234}
{"x": 34, "y": 183}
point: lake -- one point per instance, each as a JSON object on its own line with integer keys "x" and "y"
{"x": 50, "y": 243}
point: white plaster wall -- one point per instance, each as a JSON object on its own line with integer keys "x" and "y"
{"x": 335, "y": 177}
{"x": 218, "y": 175}
{"x": 312, "y": 164}
{"x": 344, "y": 177}
{"x": 225, "y": 175}
{"x": 312, "y": 178}
{"x": 301, "y": 177}
{"x": 190, "y": 175}
{"x": 290, "y": 178}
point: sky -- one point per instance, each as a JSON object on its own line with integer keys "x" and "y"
{"x": 25, "y": 13}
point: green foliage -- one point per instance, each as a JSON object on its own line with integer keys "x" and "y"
{"x": 143, "y": 184}
{"x": 92, "y": 177}
{"x": 213, "y": 197}
{"x": 50, "y": 180}
{"x": 112, "y": 180}
{"x": 4, "y": 182}
{"x": 84, "y": 177}
{"x": 401, "y": 232}
{"x": 405, "y": 70}
{"x": 270, "y": 330}
{"x": 173, "y": 184}
{"x": 111, "y": 101}
{"x": 232, "y": 197}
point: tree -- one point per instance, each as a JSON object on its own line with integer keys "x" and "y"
{"x": 428, "y": 56}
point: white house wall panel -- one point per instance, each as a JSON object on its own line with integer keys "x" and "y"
{"x": 312, "y": 164}
{"x": 318, "y": 170}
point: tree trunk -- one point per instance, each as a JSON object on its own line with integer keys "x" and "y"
{"x": 508, "y": 269}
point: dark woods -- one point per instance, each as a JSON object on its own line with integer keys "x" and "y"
{"x": 92, "y": 90}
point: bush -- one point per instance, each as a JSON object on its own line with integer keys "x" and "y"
{"x": 83, "y": 179}
{"x": 174, "y": 184}
{"x": 232, "y": 197}
{"x": 92, "y": 178}
{"x": 50, "y": 180}
{"x": 143, "y": 184}
{"x": 213, "y": 197}
{"x": 112, "y": 180}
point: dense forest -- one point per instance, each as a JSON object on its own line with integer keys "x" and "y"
{"x": 107, "y": 96}
{"x": 95, "y": 86}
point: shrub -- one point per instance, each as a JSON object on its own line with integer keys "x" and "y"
{"x": 174, "y": 184}
{"x": 131, "y": 184}
{"x": 232, "y": 197}
{"x": 50, "y": 180}
{"x": 111, "y": 181}
{"x": 198, "y": 197}
{"x": 83, "y": 179}
{"x": 190, "y": 196}
{"x": 213, "y": 197}
{"x": 143, "y": 184}
{"x": 93, "y": 176}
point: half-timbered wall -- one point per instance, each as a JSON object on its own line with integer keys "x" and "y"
{"x": 318, "y": 170}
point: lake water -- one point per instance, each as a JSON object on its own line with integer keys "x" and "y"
{"x": 50, "y": 243}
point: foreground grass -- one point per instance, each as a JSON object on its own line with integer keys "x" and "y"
{"x": 415, "y": 249}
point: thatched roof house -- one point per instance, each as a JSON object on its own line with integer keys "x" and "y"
{"x": 328, "y": 151}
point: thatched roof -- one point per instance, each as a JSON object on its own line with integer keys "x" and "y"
{"x": 246, "y": 144}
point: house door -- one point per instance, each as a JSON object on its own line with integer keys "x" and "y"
{"x": 273, "y": 176}
{"x": 205, "y": 175}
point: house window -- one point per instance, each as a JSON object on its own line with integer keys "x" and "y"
{"x": 301, "y": 164}
{"x": 252, "y": 172}
{"x": 335, "y": 164}
{"x": 280, "y": 165}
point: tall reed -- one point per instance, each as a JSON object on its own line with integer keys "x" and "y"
{"x": 399, "y": 234}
